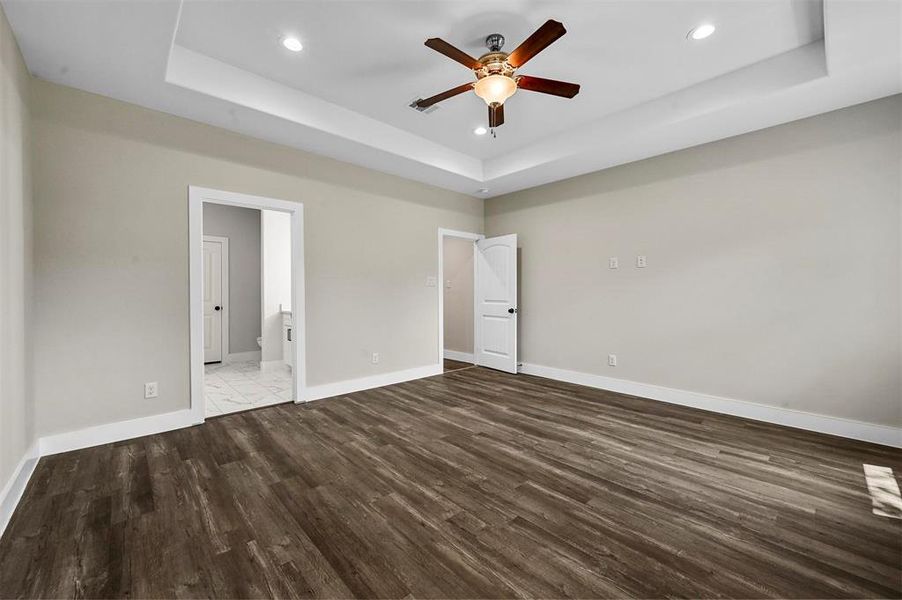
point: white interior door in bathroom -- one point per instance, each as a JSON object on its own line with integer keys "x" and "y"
{"x": 215, "y": 277}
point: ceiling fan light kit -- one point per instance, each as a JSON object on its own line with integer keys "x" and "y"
{"x": 495, "y": 71}
{"x": 495, "y": 89}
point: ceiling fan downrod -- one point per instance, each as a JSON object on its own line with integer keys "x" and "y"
{"x": 494, "y": 42}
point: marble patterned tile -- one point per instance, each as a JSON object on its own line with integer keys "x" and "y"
{"x": 234, "y": 387}
{"x": 230, "y": 375}
{"x": 212, "y": 409}
{"x": 245, "y": 385}
{"x": 212, "y": 383}
{"x": 221, "y": 398}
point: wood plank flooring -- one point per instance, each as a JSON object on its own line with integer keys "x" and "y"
{"x": 469, "y": 484}
{"x": 454, "y": 365}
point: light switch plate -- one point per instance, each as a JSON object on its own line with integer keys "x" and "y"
{"x": 613, "y": 263}
{"x": 430, "y": 281}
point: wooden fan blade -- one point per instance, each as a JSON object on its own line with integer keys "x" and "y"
{"x": 444, "y": 95}
{"x": 543, "y": 37}
{"x": 440, "y": 45}
{"x": 496, "y": 115}
{"x": 548, "y": 86}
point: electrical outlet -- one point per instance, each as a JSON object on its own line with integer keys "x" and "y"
{"x": 612, "y": 360}
{"x": 613, "y": 263}
{"x": 151, "y": 389}
{"x": 375, "y": 358}
{"x": 641, "y": 262}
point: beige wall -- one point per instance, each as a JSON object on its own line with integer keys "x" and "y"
{"x": 774, "y": 261}
{"x": 16, "y": 414}
{"x": 458, "y": 289}
{"x": 773, "y": 267}
{"x": 111, "y": 254}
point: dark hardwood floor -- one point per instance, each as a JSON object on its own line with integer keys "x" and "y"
{"x": 469, "y": 484}
{"x": 454, "y": 365}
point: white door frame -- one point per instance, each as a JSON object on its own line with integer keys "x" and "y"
{"x": 226, "y": 300}
{"x": 196, "y": 198}
{"x": 440, "y": 284}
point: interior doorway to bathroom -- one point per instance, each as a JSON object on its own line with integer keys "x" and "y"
{"x": 248, "y": 325}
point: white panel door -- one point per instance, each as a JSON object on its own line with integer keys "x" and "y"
{"x": 212, "y": 301}
{"x": 496, "y": 303}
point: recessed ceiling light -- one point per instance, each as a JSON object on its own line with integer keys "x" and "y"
{"x": 293, "y": 44}
{"x": 701, "y": 32}
{"x": 480, "y": 131}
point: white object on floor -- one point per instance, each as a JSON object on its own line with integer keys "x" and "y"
{"x": 884, "y": 490}
{"x": 234, "y": 387}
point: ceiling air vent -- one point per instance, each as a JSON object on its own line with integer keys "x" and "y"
{"x": 426, "y": 111}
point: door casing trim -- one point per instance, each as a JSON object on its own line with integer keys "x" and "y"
{"x": 196, "y": 198}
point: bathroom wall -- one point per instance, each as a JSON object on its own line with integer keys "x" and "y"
{"x": 276, "y": 234}
{"x": 242, "y": 227}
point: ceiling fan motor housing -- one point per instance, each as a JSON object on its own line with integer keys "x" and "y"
{"x": 494, "y": 62}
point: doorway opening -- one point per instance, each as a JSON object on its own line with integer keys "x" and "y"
{"x": 246, "y": 285}
{"x": 477, "y": 300}
{"x": 458, "y": 275}
{"x": 247, "y": 308}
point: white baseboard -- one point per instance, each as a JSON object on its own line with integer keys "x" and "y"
{"x": 15, "y": 487}
{"x": 114, "y": 432}
{"x": 327, "y": 390}
{"x": 856, "y": 430}
{"x": 467, "y": 357}
{"x": 125, "y": 430}
{"x": 243, "y": 356}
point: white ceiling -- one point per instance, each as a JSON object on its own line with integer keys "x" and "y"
{"x": 646, "y": 89}
{"x": 373, "y": 61}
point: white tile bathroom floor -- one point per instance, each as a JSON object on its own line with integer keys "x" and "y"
{"x": 232, "y": 387}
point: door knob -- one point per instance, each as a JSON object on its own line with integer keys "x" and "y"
{"x": 217, "y": 308}
{"x": 512, "y": 310}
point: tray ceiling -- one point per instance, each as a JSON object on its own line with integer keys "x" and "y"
{"x": 646, "y": 88}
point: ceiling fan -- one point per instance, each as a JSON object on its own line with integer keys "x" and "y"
{"x": 496, "y": 80}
